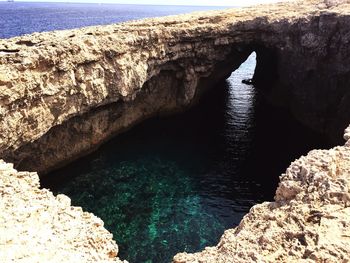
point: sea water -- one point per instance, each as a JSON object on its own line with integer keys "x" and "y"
{"x": 20, "y": 18}
{"x": 173, "y": 184}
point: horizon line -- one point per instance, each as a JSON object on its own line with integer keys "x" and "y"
{"x": 113, "y": 3}
{"x": 148, "y": 4}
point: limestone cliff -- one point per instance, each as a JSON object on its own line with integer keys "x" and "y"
{"x": 64, "y": 93}
{"x": 308, "y": 222}
{"x": 35, "y": 226}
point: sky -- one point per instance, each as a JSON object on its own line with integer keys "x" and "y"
{"x": 168, "y": 2}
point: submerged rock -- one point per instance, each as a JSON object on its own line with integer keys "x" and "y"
{"x": 309, "y": 220}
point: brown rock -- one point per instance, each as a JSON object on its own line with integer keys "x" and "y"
{"x": 64, "y": 93}
{"x": 36, "y": 226}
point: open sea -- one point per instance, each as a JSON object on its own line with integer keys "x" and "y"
{"x": 173, "y": 184}
{"x": 19, "y": 18}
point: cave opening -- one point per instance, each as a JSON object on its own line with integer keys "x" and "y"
{"x": 176, "y": 183}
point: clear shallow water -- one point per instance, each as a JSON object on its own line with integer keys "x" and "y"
{"x": 20, "y": 18}
{"x": 173, "y": 184}
{"x": 176, "y": 184}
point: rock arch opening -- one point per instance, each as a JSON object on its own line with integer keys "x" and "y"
{"x": 175, "y": 184}
{"x": 72, "y": 91}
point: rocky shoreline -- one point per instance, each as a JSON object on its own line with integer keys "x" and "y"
{"x": 308, "y": 222}
{"x": 64, "y": 93}
{"x": 37, "y": 226}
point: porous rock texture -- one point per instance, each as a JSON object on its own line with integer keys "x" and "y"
{"x": 64, "y": 93}
{"x": 35, "y": 226}
{"x": 308, "y": 222}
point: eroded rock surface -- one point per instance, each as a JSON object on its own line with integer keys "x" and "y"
{"x": 308, "y": 222}
{"x": 64, "y": 93}
{"x": 36, "y": 226}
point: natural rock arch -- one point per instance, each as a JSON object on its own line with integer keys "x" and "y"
{"x": 66, "y": 92}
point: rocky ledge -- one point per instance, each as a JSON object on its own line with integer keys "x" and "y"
{"x": 64, "y": 93}
{"x": 308, "y": 222}
{"x": 36, "y": 226}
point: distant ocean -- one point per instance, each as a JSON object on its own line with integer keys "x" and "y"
{"x": 19, "y": 18}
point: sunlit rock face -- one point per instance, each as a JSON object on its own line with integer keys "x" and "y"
{"x": 64, "y": 93}
{"x": 37, "y": 226}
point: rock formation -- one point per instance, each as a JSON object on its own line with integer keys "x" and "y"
{"x": 308, "y": 222}
{"x": 35, "y": 226}
{"x": 64, "y": 93}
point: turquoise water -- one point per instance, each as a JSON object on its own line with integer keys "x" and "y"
{"x": 175, "y": 184}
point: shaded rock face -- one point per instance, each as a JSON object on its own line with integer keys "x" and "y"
{"x": 66, "y": 92}
{"x": 164, "y": 93}
{"x": 308, "y": 222}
